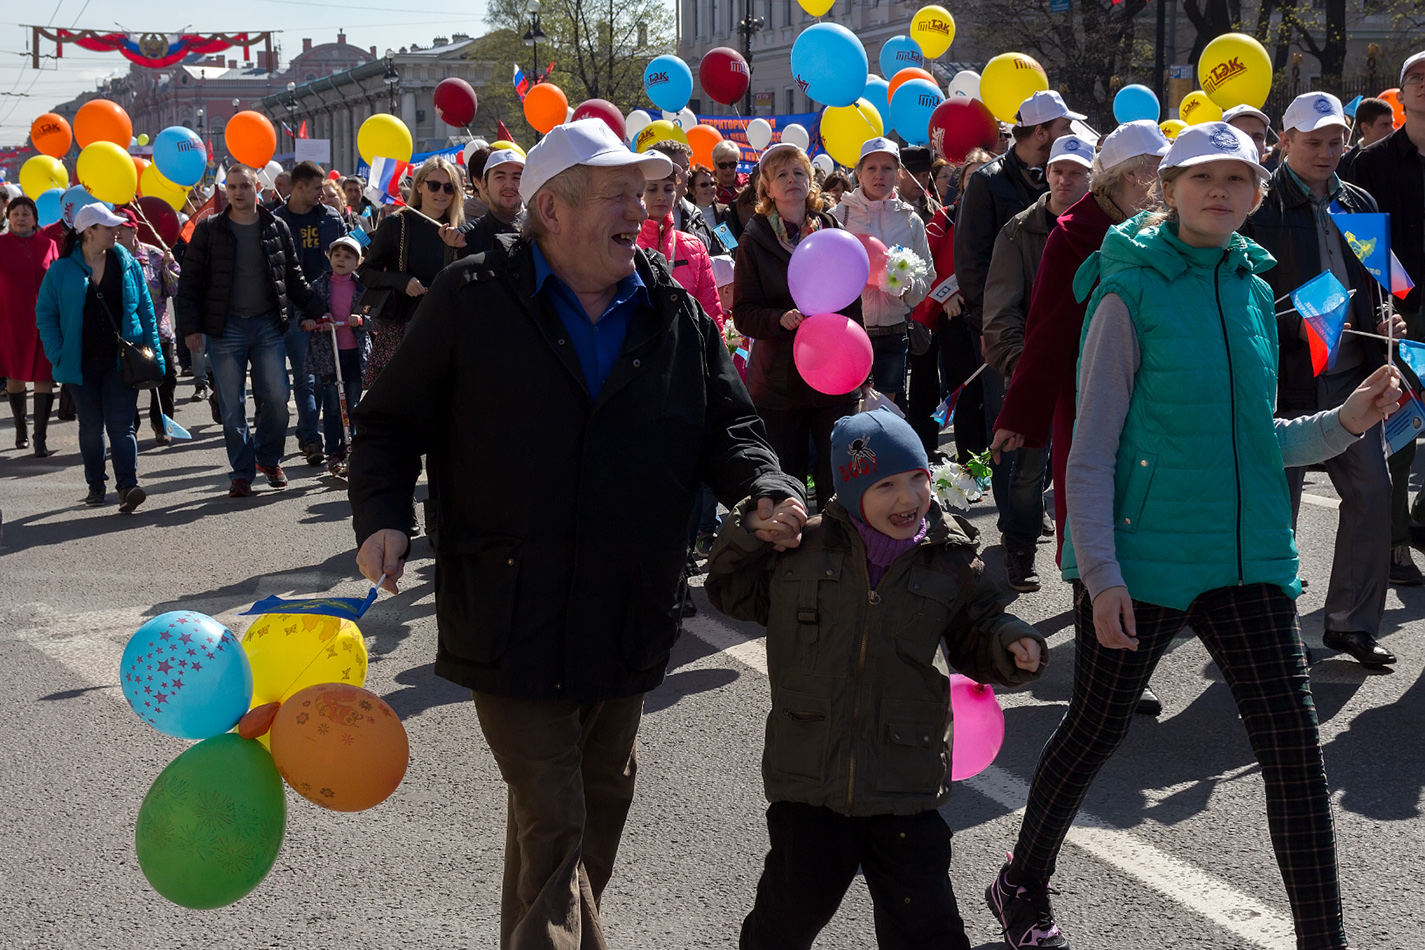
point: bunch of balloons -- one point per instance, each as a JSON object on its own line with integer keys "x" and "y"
{"x": 212, "y": 824}
{"x": 827, "y": 272}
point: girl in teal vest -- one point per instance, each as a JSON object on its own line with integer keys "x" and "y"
{"x": 1179, "y": 516}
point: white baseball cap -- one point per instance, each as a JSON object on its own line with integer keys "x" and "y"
{"x": 1409, "y": 62}
{"x": 773, "y": 149}
{"x": 1314, "y": 110}
{"x": 881, "y": 144}
{"x": 96, "y": 213}
{"x": 348, "y": 242}
{"x": 12, "y": 190}
{"x": 584, "y": 142}
{"x": 1044, "y": 107}
{"x": 1071, "y": 148}
{"x": 1236, "y": 112}
{"x": 503, "y": 156}
{"x": 722, "y": 268}
{"x": 1131, "y": 139}
{"x": 1213, "y": 142}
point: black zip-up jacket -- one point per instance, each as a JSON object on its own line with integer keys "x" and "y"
{"x": 993, "y": 195}
{"x": 205, "y": 284}
{"x": 563, "y": 518}
{"x": 1393, "y": 171}
{"x": 1285, "y": 225}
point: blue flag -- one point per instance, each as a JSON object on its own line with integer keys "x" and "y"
{"x": 1413, "y": 355}
{"x": 1350, "y": 107}
{"x": 173, "y": 429}
{"x": 347, "y": 608}
{"x": 1322, "y": 303}
{"x": 1368, "y": 236}
{"x": 944, "y": 414}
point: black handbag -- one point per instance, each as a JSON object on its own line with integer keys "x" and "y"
{"x": 139, "y": 364}
{"x": 376, "y": 302}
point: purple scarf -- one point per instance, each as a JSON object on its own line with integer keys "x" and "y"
{"x": 882, "y": 549}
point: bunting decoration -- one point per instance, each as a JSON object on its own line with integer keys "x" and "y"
{"x": 151, "y": 50}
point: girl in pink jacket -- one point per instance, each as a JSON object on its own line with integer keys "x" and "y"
{"x": 692, "y": 267}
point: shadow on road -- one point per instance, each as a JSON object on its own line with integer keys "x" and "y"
{"x": 1379, "y": 761}
{"x": 423, "y": 690}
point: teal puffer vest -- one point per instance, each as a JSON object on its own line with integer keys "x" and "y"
{"x": 1200, "y": 494}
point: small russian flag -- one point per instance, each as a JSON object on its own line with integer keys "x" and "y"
{"x": 945, "y": 412}
{"x": 1322, "y": 303}
{"x": 384, "y": 184}
{"x": 521, "y": 83}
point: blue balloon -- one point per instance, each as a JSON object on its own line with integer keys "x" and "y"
{"x": 877, "y": 93}
{"x": 1135, "y": 102}
{"x": 911, "y": 106}
{"x": 668, "y": 82}
{"x": 74, "y": 199}
{"x": 829, "y": 64}
{"x": 898, "y": 53}
{"x": 186, "y": 675}
{"x": 50, "y": 206}
{"x": 180, "y": 156}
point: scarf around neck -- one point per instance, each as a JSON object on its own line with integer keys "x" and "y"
{"x": 779, "y": 228}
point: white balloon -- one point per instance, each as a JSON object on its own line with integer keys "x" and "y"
{"x": 822, "y": 161}
{"x": 966, "y": 83}
{"x": 796, "y": 135}
{"x": 686, "y": 120}
{"x": 636, "y": 122}
{"x": 759, "y": 134}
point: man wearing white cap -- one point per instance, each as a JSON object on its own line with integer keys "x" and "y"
{"x": 571, "y": 396}
{"x": 1019, "y": 476}
{"x": 1393, "y": 171}
{"x": 1294, "y": 223}
{"x": 500, "y": 184}
{"x": 1252, "y": 121}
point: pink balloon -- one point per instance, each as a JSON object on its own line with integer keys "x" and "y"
{"x": 876, "y": 252}
{"x": 828, "y": 270}
{"x": 832, "y": 352}
{"x": 979, "y": 727}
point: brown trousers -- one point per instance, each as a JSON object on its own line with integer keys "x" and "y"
{"x": 570, "y": 772}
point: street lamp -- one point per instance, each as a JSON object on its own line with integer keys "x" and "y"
{"x": 392, "y": 78}
{"x": 200, "y": 122}
{"x": 749, "y": 27}
{"x": 291, "y": 105}
{"x": 534, "y": 34}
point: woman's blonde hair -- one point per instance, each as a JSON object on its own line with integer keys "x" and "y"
{"x": 455, "y": 213}
{"x": 1105, "y": 181}
{"x": 1165, "y": 213}
{"x": 765, "y": 204}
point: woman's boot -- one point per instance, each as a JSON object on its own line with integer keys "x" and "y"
{"x": 17, "y": 409}
{"x": 44, "y": 402}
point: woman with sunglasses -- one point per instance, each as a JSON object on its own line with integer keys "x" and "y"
{"x": 406, "y": 253}
{"x": 730, "y": 182}
{"x": 702, "y": 190}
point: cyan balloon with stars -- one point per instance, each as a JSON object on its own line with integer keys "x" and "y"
{"x": 186, "y": 675}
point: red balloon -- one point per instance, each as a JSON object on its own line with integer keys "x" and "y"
{"x": 602, "y": 109}
{"x": 158, "y": 223}
{"x": 724, "y": 75}
{"x": 876, "y": 253}
{"x": 455, "y": 102}
{"x": 334, "y": 175}
{"x": 958, "y": 125}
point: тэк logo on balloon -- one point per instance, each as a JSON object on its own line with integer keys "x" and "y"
{"x": 935, "y": 25}
{"x": 1223, "y": 72}
{"x": 653, "y": 79}
{"x": 801, "y": 82}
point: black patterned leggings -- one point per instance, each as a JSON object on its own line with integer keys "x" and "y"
{"x": 1253, "y": 635}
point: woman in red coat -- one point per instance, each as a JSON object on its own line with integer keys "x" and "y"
{"x": 685, "y": 254}
{"x": 25, "y": 255}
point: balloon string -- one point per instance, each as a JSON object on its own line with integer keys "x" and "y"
{"x": 138, "y": 209}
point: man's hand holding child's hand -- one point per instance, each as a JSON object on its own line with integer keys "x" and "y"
{"x": 780, "y": 526}
{"x": 1027, "y": 655}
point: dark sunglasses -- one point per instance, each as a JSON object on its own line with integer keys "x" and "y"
{"x": 726, "y": 164}
{"x": 436, "y": 187}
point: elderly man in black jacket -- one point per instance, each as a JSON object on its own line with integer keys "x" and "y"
{"x": 571, "y": 396}
{"x": 239, "y": 272}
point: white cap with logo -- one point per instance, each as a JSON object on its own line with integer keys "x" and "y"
{"x": 503, "y": 156}
{"x": 96, "y": 213}
{"x": 584, "y": 142}
{"x": 1131, "y": 139}
{"x": 1071, "y": 148}
{"x": 1413, "y": 60}
{"x": 881, "y": 144}
{"x": 1213, "y": 142}
{"x": 1044, "y": 107}
{"x": 1314, "y": 110}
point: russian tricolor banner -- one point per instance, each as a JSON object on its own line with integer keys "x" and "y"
{"x": 384, "y": 183}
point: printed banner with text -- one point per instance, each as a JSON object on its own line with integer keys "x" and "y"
{"x": 735, "y": 128}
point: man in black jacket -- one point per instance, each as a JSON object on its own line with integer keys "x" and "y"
{"x": 571, "y": 396}
{"x": 500, "y": 185}
{"x": 238, "y": 273}
{"x": 1295, "y": 224}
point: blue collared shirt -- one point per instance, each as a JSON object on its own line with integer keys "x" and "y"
{"x": 597, "y": 345}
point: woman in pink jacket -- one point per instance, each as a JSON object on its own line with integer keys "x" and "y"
{"x": 692, "y": 267}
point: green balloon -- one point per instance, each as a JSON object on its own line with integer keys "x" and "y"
{"x": 212, "y": 823}
{"x": 143, "y": 138}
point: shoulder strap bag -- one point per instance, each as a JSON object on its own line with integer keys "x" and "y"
{"x": 139, "y": 364}
{"x": 375, "y": 302}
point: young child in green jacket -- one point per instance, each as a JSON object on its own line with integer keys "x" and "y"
{"x": 857, "y": 756}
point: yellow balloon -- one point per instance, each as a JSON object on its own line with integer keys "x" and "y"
{"x": 1196, "y": 108}
{"x": 1171, "y": 127}
{"x": 41, "y": 173}
{"x": 1008, "y": 80}
{"x": 384, "y": 136}
{"x": 933, "y": 30}
{"x": 152, "y": 182}
{"x": 844, "y": 129}
{"x": 289, "y": 652}
{"x": 505, "y": 143}
{"x": 816, "y": 7}
{"x": 107, "y": 172}
{"x": 1235, "y": 70}
{"x": 657, "y": 132}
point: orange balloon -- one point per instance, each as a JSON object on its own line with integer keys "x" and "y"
{"x": 100, "y": 120}
{"x": 910, "y": 72}
{"x": 50, "y": 135}
{"x": 702, "y": 138}
{"x": 340, "y": 746}
{"x": 1393, "y": 97}
{"x": 545, "y": 106}
{"x": 139, "y": 165}
{"x": 251, "y": 139}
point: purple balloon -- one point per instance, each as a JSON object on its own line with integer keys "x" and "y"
{"x": 828, "y": 271}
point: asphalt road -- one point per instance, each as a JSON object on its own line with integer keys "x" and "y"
{"x": 1172, "y": 850}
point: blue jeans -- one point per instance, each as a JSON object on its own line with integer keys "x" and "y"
{"x": 1017, "y": 480}
{"x": 105, "y": 401}
{"x": 251, "y": 341}
{"x": 302, "y": 383}
{"x": 888, "y": 355}
{"x": 339, "y": 442}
